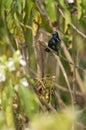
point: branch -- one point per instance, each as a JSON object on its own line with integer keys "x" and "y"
{"x": 38, "y": 55}
{"x": 69, "y": 58}
{"x": 65, "y": 76}
{"x": 60, "y": 101}
{"x": 72, "y": 25}
{"x": 48, "y": 106}
{"x": 76, "y": 66}
{"x": 65, "y": 89}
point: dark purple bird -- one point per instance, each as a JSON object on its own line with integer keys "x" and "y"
{"x": 54, "y": 42}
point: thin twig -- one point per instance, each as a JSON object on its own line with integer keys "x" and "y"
{"x": 41, "y": 8}
{"x": 60, "y": 101}
{"x": 26, "y": 26}
{"x": 78, "y": 31}
{"x": 64, "y": 89}
{"x": 38, "y": 55}
{"x": 65, "y": 76}
{"x": 48, "y": 106}
{"x": 76, "y": 66}
{"x": 78, "y": 78}
{"x": 72, "y": 25}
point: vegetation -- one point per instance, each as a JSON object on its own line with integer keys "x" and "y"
{"x": 42, "y": 90}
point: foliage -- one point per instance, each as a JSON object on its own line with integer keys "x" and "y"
{"x": 14, "y": 90}
{"x": 55, "y": 121}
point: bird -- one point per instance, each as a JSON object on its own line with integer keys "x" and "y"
{"x": 54, "y": 42}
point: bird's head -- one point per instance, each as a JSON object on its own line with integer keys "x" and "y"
{"x": 55, "y": 34}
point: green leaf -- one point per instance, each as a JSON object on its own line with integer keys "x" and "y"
{"x": 13, "y": 24}
{"x": 19, "y": 6}
{"x": 31, "y": 81}
{"x": 67, "y": 19}
{"x": 7, "y": 104}
{"x": 9, "y": 115}
{"x": 1, "y": 8}
{"x": 7, "y": 94}
{"x": 28, "y": 8}
{"x": 2, "y": 119}
{"x": 51, "y": 10}
{"x": 36, "y": 21}
{"x": 7, "y": 4}
{"x": 79, "y": 2}
{"x": 29, "y": 101}
{"x": 66, "y": 13}
{"x": 62, "y": 3}
{"x": 83, "y": 5}
{"x": 3, "y": 59}
{"x": 50, "y": 121}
